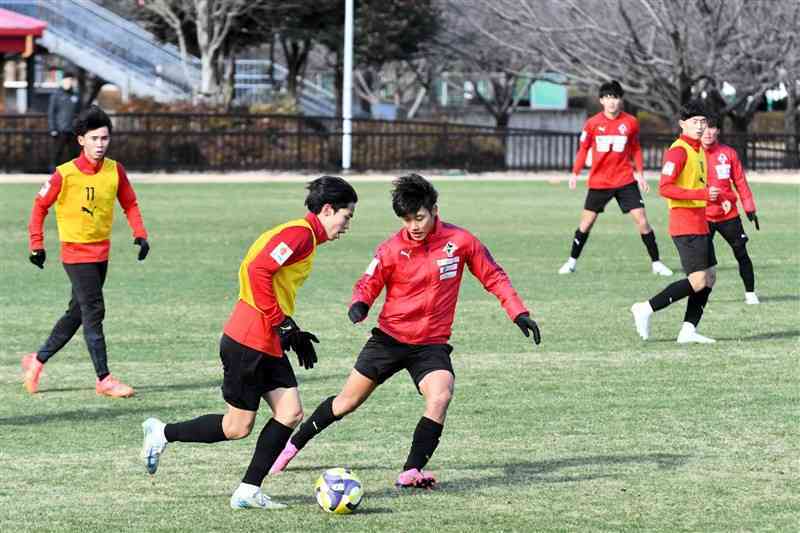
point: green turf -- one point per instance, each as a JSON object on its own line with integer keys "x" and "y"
{"x": 593, "y": 430}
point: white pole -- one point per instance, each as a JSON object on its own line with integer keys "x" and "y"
{"x": 347, "y": 86}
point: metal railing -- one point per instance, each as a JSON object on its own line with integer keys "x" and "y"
{"x": 90, "y": 27}
{"x": 199, "y": 142}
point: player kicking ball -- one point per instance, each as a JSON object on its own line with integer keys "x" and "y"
{"x": 725, "y": 171}
{"x": 683, "y": 184}
{"x": 421, "y": 268}
{"x": 613, "y": 137}
{"x": 256, "y": 338}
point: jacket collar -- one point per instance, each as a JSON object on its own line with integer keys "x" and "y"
{"x": 692, "y": 142}
{"x": 316, "y": 226}
{"x": 86, "y": 166}
{"x": 437, "y": 227}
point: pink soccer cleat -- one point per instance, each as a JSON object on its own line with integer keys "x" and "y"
{"x": 288, "y": 453}
{"x": 414, "y": 478}
{"x": 111, "y": 386}
{"x": 32, "y": 371}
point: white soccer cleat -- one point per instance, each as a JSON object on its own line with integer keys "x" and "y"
{"x": 750, "y": 298}
{"x": 250, "y": 497}
{"x": 641, "y": 317}
{"x": 688, "y": 335}
{"x": 154, "y": 443}
{"x": 661, "y": 269}
{"x": 568, "y": 267}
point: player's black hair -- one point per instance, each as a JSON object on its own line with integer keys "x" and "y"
{"x": 611, "y": 88}
{"x": 410, "y": 193}
{"x": 714, "y": 120}
{"x": 69, "y": 74}
{"x": 90, "y": 119}
{"x": 693, "y": 108}
{"x": 329, "y": 190}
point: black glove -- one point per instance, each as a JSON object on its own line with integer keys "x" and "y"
{"x": 357, "y": 312}
{"x": 292, "y": 338}
{"x": 752, "y": 217}
{"x": 525, "y": 323}
{"x": 38, "y": 258}
{"x": 144, "y": 247}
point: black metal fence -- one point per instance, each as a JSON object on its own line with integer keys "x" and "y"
{"x": 198, "y": 142}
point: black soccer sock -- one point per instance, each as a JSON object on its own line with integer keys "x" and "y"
{"x": 695, "y": 305}
{"x": 206, "y": 428}
{"x": 649, "y": 240}
{"x": 103, "y": 376}
{"x": 269, "y": 446}
{"x": 745, "y": 268}
{"x": 426, "y": 439}
{"x": 674, "y": 292}
{"x": 578, "y": 242}
{"x": 321, "y": 418}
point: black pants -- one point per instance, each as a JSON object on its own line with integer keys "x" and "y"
{"x": 87, "y": 309}
{"x": 65, "y": 148}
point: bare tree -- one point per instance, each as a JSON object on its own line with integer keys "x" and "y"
{"x": 664, "y": 52}
{"x": 212, "y": 20}
{"x": 476, "y": 43}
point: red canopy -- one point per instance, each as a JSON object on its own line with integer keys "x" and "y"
{"x": 17, "y": 32}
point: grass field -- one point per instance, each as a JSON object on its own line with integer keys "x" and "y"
{"x": 594, "y": 430}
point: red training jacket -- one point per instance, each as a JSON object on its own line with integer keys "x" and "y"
{"x": 726, "y": 172}
{"x": 614, "y": 143}
{"x": 422, "y": 279}
{"x": 74, "y": 252}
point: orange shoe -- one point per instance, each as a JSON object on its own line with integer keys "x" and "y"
{"x": 111, "y": 386}
{"x": 32, "y": 371}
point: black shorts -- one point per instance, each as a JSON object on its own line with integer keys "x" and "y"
{"x": 248, "y": 374}
{"x": 731, "y": 230}
{"x": 696, "y": 252}
{"x": 383, "y": 356}
{"x": 628, "y": 197}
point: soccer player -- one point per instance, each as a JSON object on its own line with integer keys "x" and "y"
{"x": 256, "y": 338}
{"x": 726, "y": 172}
{"x": 83, "y": 191}
{"x": 683, "y": 184}
{"x": 421, "y": 268}
{"x": 613, "y": 137}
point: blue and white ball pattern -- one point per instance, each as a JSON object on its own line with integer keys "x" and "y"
{"x": 338, "y": 491}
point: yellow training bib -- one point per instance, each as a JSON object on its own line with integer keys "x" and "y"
{"x": 693, "y": 175}
{"x": 85, "y": 205}
{"x": 288, "y": 278}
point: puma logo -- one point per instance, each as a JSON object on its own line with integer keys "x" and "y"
{"x": 87, "y": 210}
{"x": 405, "y": 253}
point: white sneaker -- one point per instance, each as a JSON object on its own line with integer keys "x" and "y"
{"x": 641, "y": 317}
{"x": 568, "y": 267}
{"x": 154, "y": 443}
{"x": 250, "y": 497}
{"x": 750, "y": 298}
{"x": 661, "y": 269}
{"x": 688, "y": 334}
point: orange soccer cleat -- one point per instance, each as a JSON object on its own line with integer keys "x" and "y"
{"x": 111, "y": 386}
{"x": 32, "y": 371}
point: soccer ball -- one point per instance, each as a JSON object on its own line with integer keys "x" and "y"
{"x": 338, "y": 491}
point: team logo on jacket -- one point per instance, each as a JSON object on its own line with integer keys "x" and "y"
{"x": 622, "y": 129}
{"x": 450, "y": 248}
{"x": 722, "y": 158}
{"x": 281, "y": 253}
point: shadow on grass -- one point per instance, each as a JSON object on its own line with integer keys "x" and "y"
{"x": 81, "y": 415}
{"x": 781, "y": 298}
{"x": 792, "y": 333}
{"x": 528, "y": 473}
